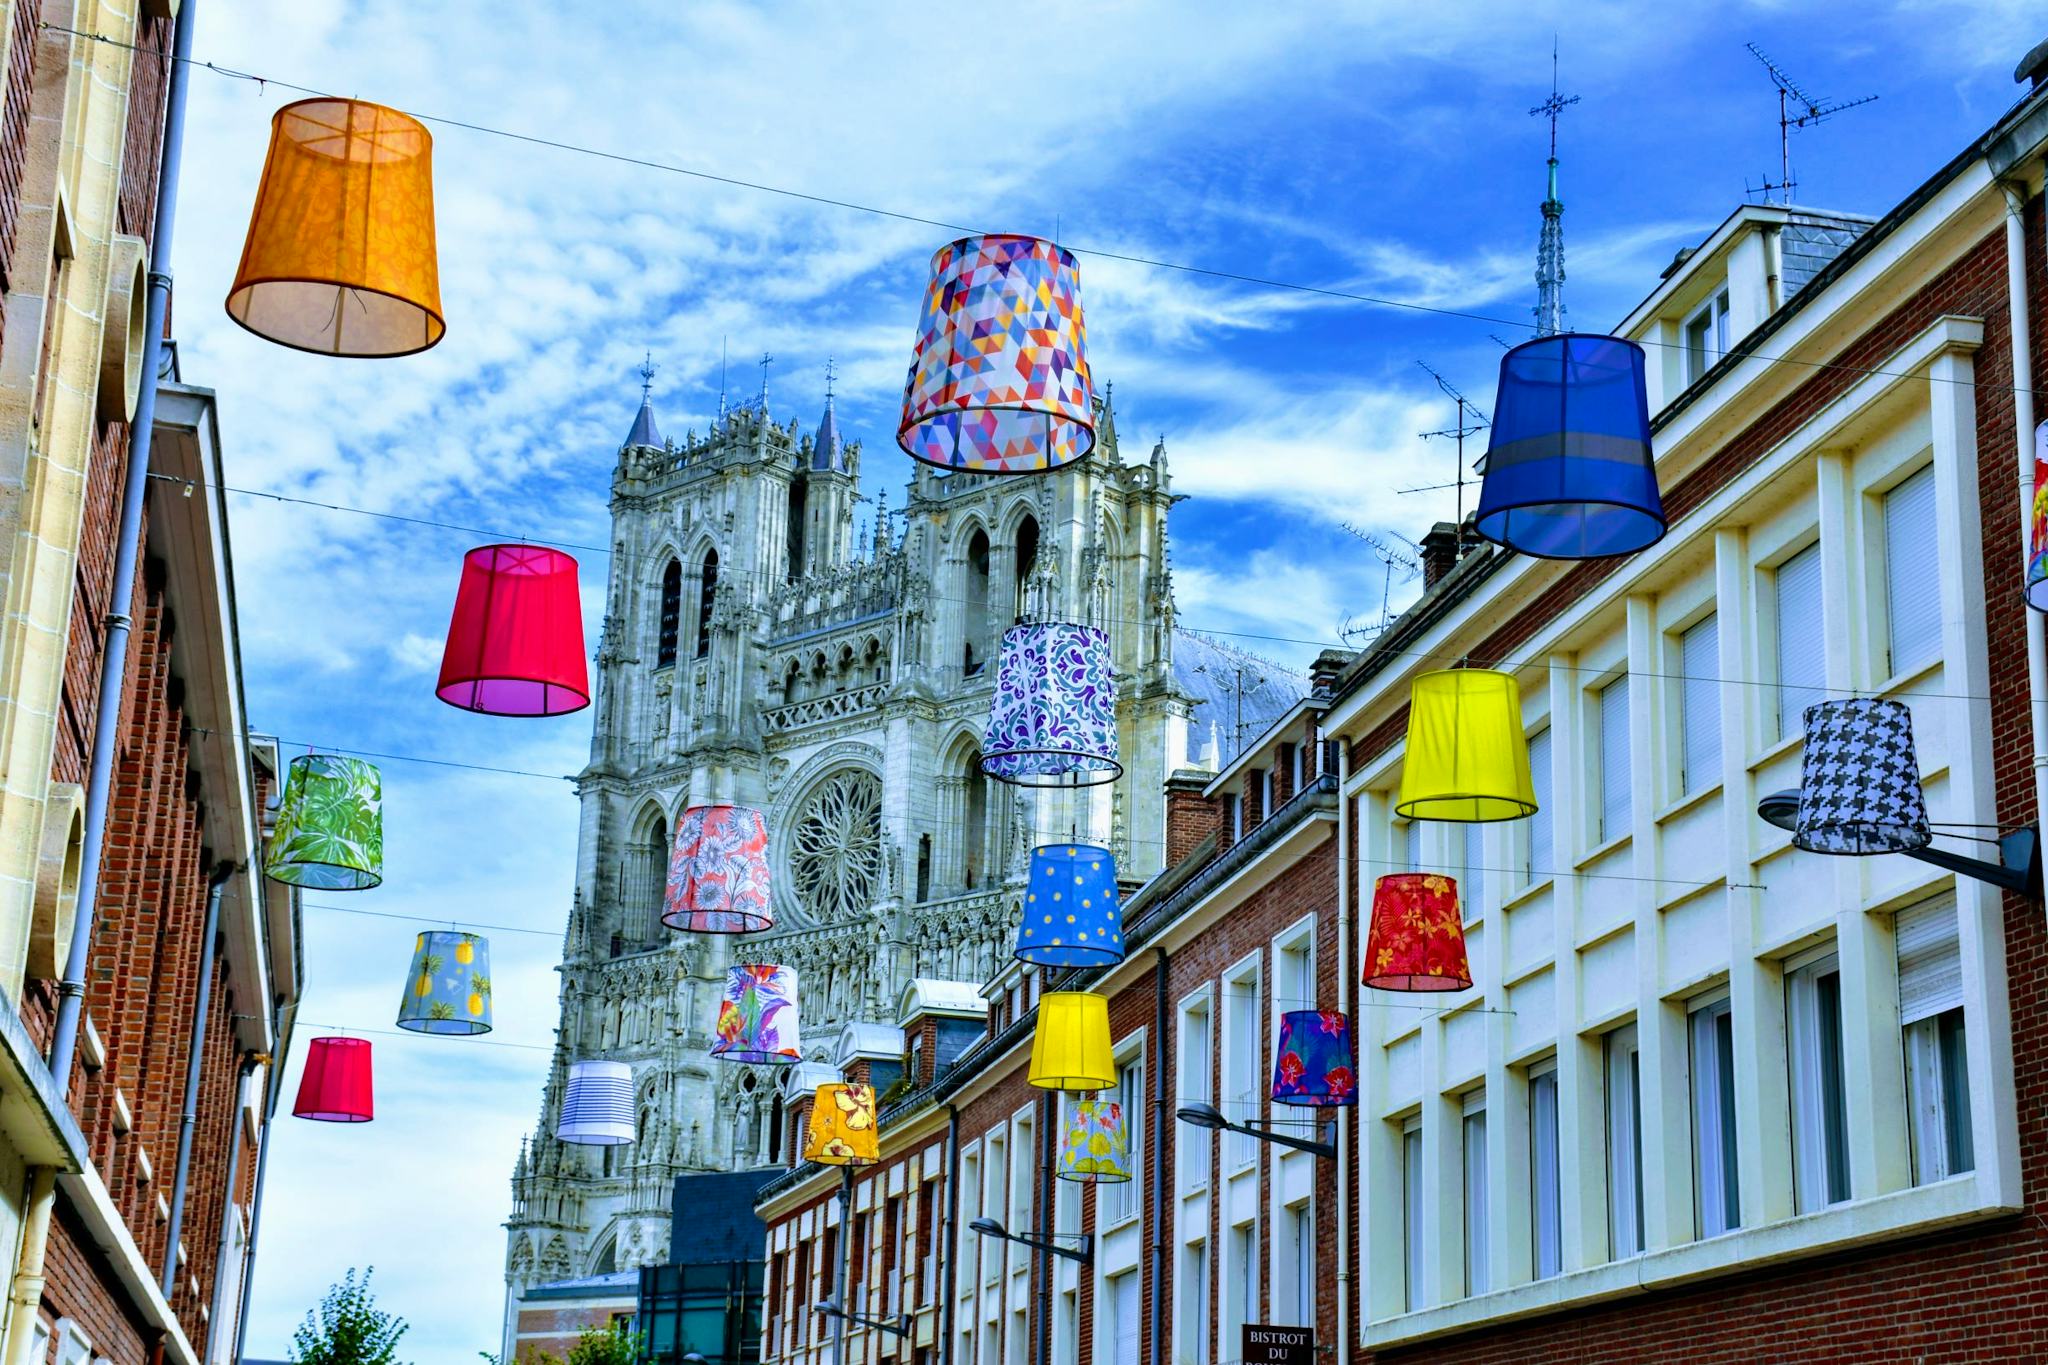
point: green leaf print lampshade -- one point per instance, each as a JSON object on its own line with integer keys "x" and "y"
{"x": 449, "y": 988}
{"x": 330, "y": 826}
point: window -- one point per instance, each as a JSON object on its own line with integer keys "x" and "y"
{"x": 1263, "y": 778}
{"x": 1300, "y": 1251}
{"x": 1614, "y": 772}
{"x": 707, "y": 591}
{"x": 1937, "y": 1068}
{"x": 1411, "y": 846}
{"x": 1411, "y": 1210}
{"x": 1536, "y": 865}
{"x": 1122, "y": 1200}
{"x": 1291, "y": 758}
{"x": 1192, "y": 1303}
{"x": 1475, "y": 1195}
{"x": 1715, "y": 1184}
{"x": 1699, "y": 707}
{"x": 1624, "y": 1142}
{"x": 1240, "y": 1285}
{"x": 1233, "y": 811}
{"x": 1912, "y": 581}
{"x": 1474, "y": 884}
{"x": 1195, "y": 1067}
{"x": 1545, "y": 1228}
{"x": 928, "y": 1231}
{"x": 1706, "y": 336}
{"x": 1802, "y": 669}
{"x": 669, "y": 623}
{"x": 1813, "y": 1042}
{"x": 1126, "y": 1318}
{"x": 1244, "y": 1065}
{"x": 974, "y": 619}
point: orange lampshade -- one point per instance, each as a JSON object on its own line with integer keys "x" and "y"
{"x": 340, "y": 254}
{"x": 1417, "y": 941}
{"x": 842, "y": 1128}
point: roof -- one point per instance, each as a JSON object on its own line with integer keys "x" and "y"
{"x": 712, "y": 1218}
{"x": 644, "y": 432}
{"x": 620, "y": 1283}
{"x": 928, "y": 995}
{"x": 1209, "y": 672}
{"x": 828, "y": 454}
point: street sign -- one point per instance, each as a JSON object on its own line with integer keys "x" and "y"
{"x": 1279, "y": 1345}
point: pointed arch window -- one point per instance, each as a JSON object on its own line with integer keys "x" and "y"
{"x": 707, "y": 587}
{"x": 1027, "y": 556}
{"x": 974, "y": 652}
{"x": 671, "y": 617}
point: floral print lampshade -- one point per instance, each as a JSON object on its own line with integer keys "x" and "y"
{"x": 1859, "y": 780}
{"x": 1070, "y": 1047}
{"x": 1417, "y": 941}
{"x": 1314, "y": 1063}
{"x": 330, "y": 826}
{"x": 999, "y": 382}
{"x": 597, "y": 1105}
{"x": 336, "y": 1085}
{"x": 718, "y": 873}
{"x": 1467, "y": 759}
{"x": 2037, "y": 525}
{"x": 1095, "y": 1149}
{"x": 757, "y": 1021}
{"x": 448, "y": 989}
{"x": 842, "y": 1126}
{"x": 1052, "y": 721}
{"x": 515, "y": 643}
{"x": 1070, "y": 910}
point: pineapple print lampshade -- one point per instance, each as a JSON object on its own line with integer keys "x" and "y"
{"x": 718, "y": 873}
{"x": 1859, "y": 780}
{"x": 1417, "y": 941}
{"x": 842, "y": 1126}
{"x": 1095, "y": 1150}
{"x": 340, "y": 254}
{"x": 757, "y": 1020}
{"x": 1313, "y": 1065}
{"x": 999, "y": 382}
{"x": 1052, "y": 720}
{"x": 515, "y": 643}
{"x": 336, "y": 1085}
{"x": 1070, "y": 1049}
{"x": 597, "y": 1105}
{"x": 1070, "y": 915}
{"x": 330, "y": 826}
{"x": 1467, "y": 758}
{"x": 449, "y": 987}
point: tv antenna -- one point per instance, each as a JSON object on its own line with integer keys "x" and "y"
{"x": 1796, "y": 109}
{"x": 1393, "y": 557}
{"x": 1471, "y": 421}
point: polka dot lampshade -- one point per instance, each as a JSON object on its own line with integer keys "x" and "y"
{"x": 1070, "y": 916}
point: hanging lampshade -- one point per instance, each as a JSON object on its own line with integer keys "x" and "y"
{"x": 1569, "y": 470}
{"x": 2037, "y": 525}
{"x": 1052, "y": 720}
{"x": 1313, "y": 1065}
{"x": 718, "y": 874}
{"x": 842, "y": 1127}
{"x": 1070, "y": 1049}
{"x": 340, "y": 254}
{"x": 1070, "y": 911}
{"x": 597, "y": 1105}
{"x": 330, "y": 825}
{"x": 757, "y": 1021}
{"x": 449, "y": 987}
{"x": 1417, "y": 941}
{"x": 1859, "y": 780}
{"x": 1467, "y": 758}
{"x": 1095, "y": 1149}
{"x": 515, "y": 645}
{"x": 999, "y": 381}
{"x": 336, "y": 1085}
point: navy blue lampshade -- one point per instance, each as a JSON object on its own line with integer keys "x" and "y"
{"x": 1071, "y": 918}
{"x": 1569, "y": 471}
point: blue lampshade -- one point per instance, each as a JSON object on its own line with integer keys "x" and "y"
{"x": 1569, "y": 470}
{"x": 1071, "y": 917}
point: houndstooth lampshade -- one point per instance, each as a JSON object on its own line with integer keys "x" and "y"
{"x": 1859, "y": 782}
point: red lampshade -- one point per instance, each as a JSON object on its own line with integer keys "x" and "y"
{"x": 515, "y": 646}
{"x": 336, "y": 1086}
{"x": 1417, "y": 941}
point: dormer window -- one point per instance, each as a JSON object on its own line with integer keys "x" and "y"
{"x": 1706, "y": 336}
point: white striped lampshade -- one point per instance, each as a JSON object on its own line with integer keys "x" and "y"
{"x": 597, "y": 1107}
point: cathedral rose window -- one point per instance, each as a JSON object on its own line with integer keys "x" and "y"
{"x": 835, "y": 848}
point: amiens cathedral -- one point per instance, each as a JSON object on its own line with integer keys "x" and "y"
{"x": 756, "y": 650}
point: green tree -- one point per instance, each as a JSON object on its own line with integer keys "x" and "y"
{"x": 612, "y": 1345}
{"x": 348, "y": 1328}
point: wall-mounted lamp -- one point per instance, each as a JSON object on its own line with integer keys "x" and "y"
{"x": 2019, "y": 852}
{"x": 829, "y": 1308}
{"x": 1210, "y": 1117}
{"x": 989, "y": 1227}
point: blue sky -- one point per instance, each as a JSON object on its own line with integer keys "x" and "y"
{"x": 1381, "y": 149}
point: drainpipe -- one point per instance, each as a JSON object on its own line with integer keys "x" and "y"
{"x": 194, "y": 1060}
{"x": 2023, "y": 439}
{"x": 227, "y": 1212}
{"x": 1048, "y": 1118}
{"x": 952, "y": 1227}
{"x": 1156, "y": 1135}
{"x": 128, "y": 548}
{"x": 27, "y": 1293}
{"x": 275, "y": 1084}
{"x": 1344, "y": 1002}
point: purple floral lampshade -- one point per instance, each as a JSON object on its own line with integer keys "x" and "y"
{"x": 1314, "y": 1066}
{"x": 757, "y": 1020}
{"x": 1052, "y": 722}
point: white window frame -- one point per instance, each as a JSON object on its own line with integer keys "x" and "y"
{"x": 1934, "y": 1024}
{"x": 1546, "y": 1195}
{"x": 1195, "y": 1161}
{"x": 1699, "y": 705}
{"x": 1121, "y": 1202}
{"x": 1919, "y": 573}
{"x": 1472, "y": 1196}
{"x": 1817, "y": 1087}
{"x": 1616, "y": 781}
{"x": 1243, "y": 1060}
{"x": 1191, "y": 1319}
{"x": 1472, "y": 882}
{"x": 1712, "y": 1102}
{"x": 1711, "y": 320}
{"x": 1414, "y": 1209}
{"x": 1621, "y": 1068}
{"x": 1793, "y": 697}
{"x": 1539, "y": 856}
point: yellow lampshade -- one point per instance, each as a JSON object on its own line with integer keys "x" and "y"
{"x": 340, "y": 254}
{"x": 1070, "y": 1050}
{"x": 842, "y": 1128}
{"x": 1467, "y": 758}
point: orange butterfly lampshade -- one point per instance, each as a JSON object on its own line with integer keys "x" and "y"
{"x": 1417, "y": 941}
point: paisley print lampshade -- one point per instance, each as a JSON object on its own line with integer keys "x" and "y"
{"x": 515, "y": 643}
{"x": 1417, "y": 941}
{"x": 1095, "y": 1149}
{"x": 757, "y": 1021}
{"x": 1467, "y": 759}
{"x": 1070, "y": 1047}
{"x": 842, "y": 1126}
{"x": 448, "y": 989}
{"x": 330, "y": 826}
{"x": 1314, "y": 1065}
{"x": 1859, "y": 780}
{"x": 1070, "y": 916}
{"x": 1052, "y": 721}
{"x": 336, "y": 1085}
{"x": 718, "y": 874}
{"x": 999, "y": 382}
{"x": 597, "y": 1105}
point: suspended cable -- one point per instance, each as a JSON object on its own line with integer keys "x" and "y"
{"x": 425, "y": 919}
{"x": 347, "y": 1030}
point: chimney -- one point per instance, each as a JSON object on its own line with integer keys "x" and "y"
{"x": 2032, "y": 71}
{"x": 1439, "y": 553}
{"x": 1328, "y": 667}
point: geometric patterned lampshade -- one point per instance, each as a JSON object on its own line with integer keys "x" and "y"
{"x": 1070, "y": 1049}
{"x": 336, "y": 1085}
{"x": 1417, "y": 941}
{"x": 340, "y": 254}
{"x": 842, "y": 1126}
{"x": 597, "y": 1105}
{"x": 1467, "y": 759}
{"x": 1070, "y": 911}
{"x": 1052, "y": 720}
{"x": 2037, "y": 525}
{"x": 1569, "y": 470}
{"x": 449, "y": 988}
{"x": 1093, "y": 1151}
{"x": 999, "y": 382}
{"x": 757, "y": 1021}
{"x": 515, "y": 643}
{"x": 1315, "y": 1065}
{"x": 330, "y": 826}
{"x": 1859, "y": 780}
{"x": 718, "y": 874}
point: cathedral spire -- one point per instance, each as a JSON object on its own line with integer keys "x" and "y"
{"x": 828, "y": 453}
{"x": 1550, "y": 246}
{"x": 645, "y": 432}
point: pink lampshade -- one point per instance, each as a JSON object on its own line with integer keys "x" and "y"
{"x": 515, "y": 645}
{"x": 336, "y": 1084}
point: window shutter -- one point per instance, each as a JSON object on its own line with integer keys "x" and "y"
{"x": 1912, "y": 586}
{"x": 1930, "y": 961}
{"x": 1411, "y": 846}
{"x": 1540, "y": 859}
{"x": 1699, "y": 659}
{"x": 1802, "y": 664}
{"x": 1475, "y": 870}
{"x": 1614, "y": 769}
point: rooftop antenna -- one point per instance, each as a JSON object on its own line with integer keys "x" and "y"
{"x": 1244, "y": 677}
{"x": 1394, "y": 557}
{"x": 1550, "y": 246}
{"x": 1471, "y": 421}
{"x": 1796, "y": 109}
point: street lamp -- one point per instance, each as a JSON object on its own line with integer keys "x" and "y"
{"x": 829, "y": 1308}
{"x": 989, "y": 1227}
{"x": 1210, "y": 1117}
{"x": 2019, "y": 852}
